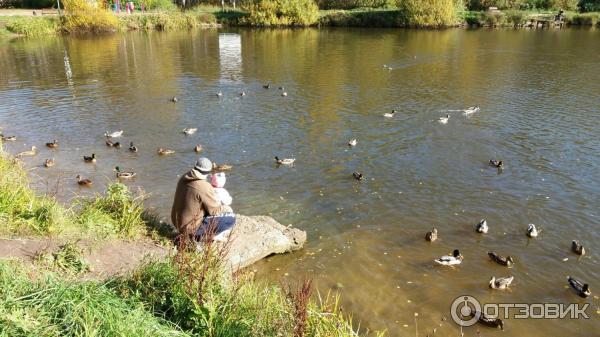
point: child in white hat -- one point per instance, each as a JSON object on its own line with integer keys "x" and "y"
{"x": 218, "y": 181}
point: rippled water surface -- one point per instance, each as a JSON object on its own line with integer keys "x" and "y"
{"x": 540, "y": 109}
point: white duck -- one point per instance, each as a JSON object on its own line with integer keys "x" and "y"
{"x": 352, "y": 142}
{"x": 450, "y": 260}
{"x": 482, "y": 227}
{"x": 29, "y": 153}
{"x": 444, "y": 120}
{"x": 115, "y": 134}
{"x": 190, "y": 131}
{"x": 390, "y": 114}
{"x": 471, "y": 110}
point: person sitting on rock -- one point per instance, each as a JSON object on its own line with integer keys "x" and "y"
{"x": 218, "y": 181}
{"x": 197, "y": 211}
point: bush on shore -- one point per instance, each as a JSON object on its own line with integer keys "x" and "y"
{"x": 428, "y": 13}
{"x": 281, "y": 13}
{"x": 32, "y": 27}
{"x": 81, "y": 17}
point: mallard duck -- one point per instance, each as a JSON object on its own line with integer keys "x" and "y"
{"x": 432, "y": 236}
{"x": 83, "y": 182}
{"x": 267, "y": 86}
{"x": 164, "y": 152}
{"x": 53, "y": 144}
{"x": 110, "y": 143}
{"x": 450, "y": 260}
{"x": 49, "y": 162}
{"x": 444, "y": 120}
{"x": 132, "y": 147}
{"x": 352, "y": 142}
{"x": 174, "y": 99}
{"x": 285, "y": 161}
{"x": 189, "y": 131}
{"x": 124, "y": 174}
{"x": 29, "y": 153}
{"x": 281, "y": 88}
{"x": 501, "y": 283}
{"x": 470, "y": 110}
{"x": 115, "y": 134}
{"x": 243, "y": 93}
{"x": 496, "y": 163}
{"x": 221, "y": 167}
{"x": 577, "y": 248}
{"x": 582, "y": 289}
{"x": 198, "y": 148}
{"x": 482, "y": 227}
{"x": 505, "y": 261}
{"x": 532, "y": 231}
{"x": 91, "y": 159}
{"x": 390, "y": 114}
{"x": 284, "y": 94}
{"x": 219, "y": 94}
{"x": 357, "y": 175}
{"x": 488, "y": 321}
{"x": 7, "y": 138}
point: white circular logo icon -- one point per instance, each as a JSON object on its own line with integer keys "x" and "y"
{"x": 465, "y": 310}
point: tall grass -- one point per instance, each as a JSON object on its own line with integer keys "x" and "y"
{"x": 32, "y": 27}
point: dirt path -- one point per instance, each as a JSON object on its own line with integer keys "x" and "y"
{"x": 106, "y": 258}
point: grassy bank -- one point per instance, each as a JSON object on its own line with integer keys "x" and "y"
{"x": 188, "y": 295}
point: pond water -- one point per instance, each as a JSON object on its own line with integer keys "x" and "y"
{"x": 540, "y": 102}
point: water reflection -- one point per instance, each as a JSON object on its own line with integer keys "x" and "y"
{"x": 230, "y": 55}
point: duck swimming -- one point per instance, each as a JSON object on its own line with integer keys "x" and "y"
{"x": 284, "y": 94}
{"x": 115, "y": 134}
{"x": 190, "y": 131}
{"x": 505, "y": 261}
{"x": 91, "y": 159}
{"x": 532, "y": 232}
{"x": 390, "y": 114}
{"x": 267, "y": 86}
{"x": 164, "y": 152}
{"x": 285, "y": 161}
{"x": 501, "y": 283}
{"x": 496, "y": 163}
{"x": 132, "y": 147}
{"x": 470, "y": 110}
{"x": 29, "y": 153}
{"x": 7, "y": 138}
{"x": 174, "y": 99}
{"x": 577, "y": 248}
{"x": 198, "y": 148}
{"x": 53, "y": 144}
{"x": 450, "y": 260}
{"x": 482, "y": 227}
{"x": 444, "y": 120}
{"x": 352, "y": 142}
{"x": 49, "y": 162}
{"x": 432, "y": 236}
{"x": 219, "y": 94}
{"x": 489, "y": 321}
{"x": 110, "y": 143}
{"x": 83, "y": 182}
{"x": 221, "y": 167}
{"x": 243, "y": 93}
{"x": 124, "y": 174}
{"x": 358, "y": 176}
{"x": 582, "y": 289}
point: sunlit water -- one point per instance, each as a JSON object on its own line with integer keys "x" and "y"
{"x": 540, "y": 104}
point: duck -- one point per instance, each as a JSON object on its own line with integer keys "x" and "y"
{"x": 49, "y": 162}
{"x": 189, "y": 131}
{"x": 198, "y": 148}
{"x": 505, "y": 261}
{"x": 115, "y": 134}
{"x": 390, "y": 114}
{"x": 8, "y": 138}
{"x": 174, "y": 99}
{"x": 243, "y": 93}
{"x": 164, "y": 152}
{"x": 489, "y": 321}
{"x": 352, "y": 142}
{"x": 482, "y": 227}
{"x": 444, "y": 120}
{"x": 532, "y": 231}
{"x": 357, "y": 175}
{"x": 221, "y": 167}
{"x": 110, "y": 143}
{"x": 432, "y": 236}
{"x": 28, "y": 153}
{"x": 284, "y": 94}
{"x": 284, "y": 161}
{"x": 501, "y": 283}
{"x": 219, "y": 93}
{"x": 83, "y": 182}
{"x": 91, "y": 159}
{"x": 470, "y": 110}
{"x": 132, "y": 147}
{"x": 53, "y": 144}
{"x": 267, "y": 86}
{"x": 124, "y": 174}
{"x": 577, "y": 248}
{"x": 450, "y": 260}
{"x": 496, "y": 163}
{"x": 281, "y": 88}
{"x": 582, "y": 289}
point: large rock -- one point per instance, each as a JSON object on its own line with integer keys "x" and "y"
{"x": 256, "y": 237}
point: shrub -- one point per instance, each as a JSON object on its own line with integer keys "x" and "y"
{"x": 351, "y": 4}
{"x": 493, "y": 19}
{"x": 583, "y": 19}
{"x": 81, "y": 17}
{"x": 428, "y": 13}
{"x": 516, "y": 18}
{"x": 589, "y": 5}
{"x": 282, "y": 13}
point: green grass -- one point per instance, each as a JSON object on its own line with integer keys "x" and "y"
{"x": 510, "y": 18}
{"x": 30, "y": 26}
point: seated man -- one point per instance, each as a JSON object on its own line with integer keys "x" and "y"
{"x": 197, "y": 211}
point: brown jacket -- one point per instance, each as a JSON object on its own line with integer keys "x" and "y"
{"x": 194, "y": 198}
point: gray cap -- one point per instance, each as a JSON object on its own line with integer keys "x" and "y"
{"x": 204, "y": 165}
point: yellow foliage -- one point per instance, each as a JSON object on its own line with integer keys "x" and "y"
{"x": 81, "y": 16}
{"x": 428, "y": 13}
